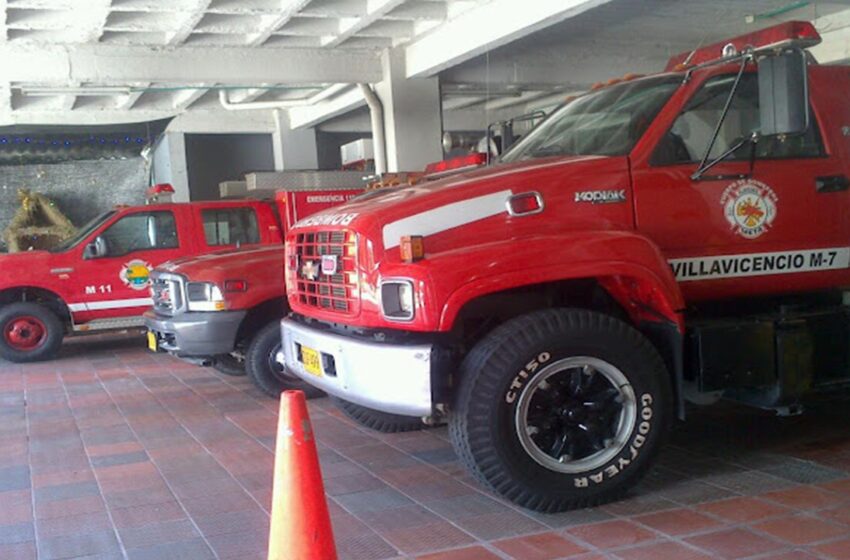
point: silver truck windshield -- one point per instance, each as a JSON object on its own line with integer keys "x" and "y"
{"x": 82, "y": 233}
{"x": 608, "y": 122}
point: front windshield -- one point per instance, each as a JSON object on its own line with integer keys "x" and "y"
{"x": 608, "y": 122}
{"x": 82, "y": 233}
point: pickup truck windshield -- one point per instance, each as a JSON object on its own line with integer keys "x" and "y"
{"x": 608, "y": 122}
{"x": 82, "y": 233}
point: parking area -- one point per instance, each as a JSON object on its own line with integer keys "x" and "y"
{"x": 113, "y": 452}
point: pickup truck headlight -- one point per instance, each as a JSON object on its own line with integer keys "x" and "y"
{"x": 204, "y": 296}
{"x": 397, "y": 300}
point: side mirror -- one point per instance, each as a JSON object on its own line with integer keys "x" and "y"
{"x": 783, "y": 94}
{"x": 95, "y": 249}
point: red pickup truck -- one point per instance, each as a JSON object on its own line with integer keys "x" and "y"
{"x": 99, "y": 279}
{"x": 223, "y": 309}
{"x": 683, "y": 236}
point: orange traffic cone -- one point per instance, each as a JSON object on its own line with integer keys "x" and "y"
{"x": 300, "y": 522}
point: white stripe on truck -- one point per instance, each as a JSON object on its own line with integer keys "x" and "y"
{"x": 446, "y": 217}
{"x": 110, "y": 304}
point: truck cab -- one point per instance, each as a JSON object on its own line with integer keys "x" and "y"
{"x": 661, "y": 239}
{"x": 99, "y": 279}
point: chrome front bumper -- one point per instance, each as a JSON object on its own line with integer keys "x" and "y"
{"x": 385, "y": 377}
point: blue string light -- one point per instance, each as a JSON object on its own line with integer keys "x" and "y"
{"x": 115, "y": 140}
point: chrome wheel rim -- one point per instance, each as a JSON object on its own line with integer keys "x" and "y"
{"x": 576, "y": 414}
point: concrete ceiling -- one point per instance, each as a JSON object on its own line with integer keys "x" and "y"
{"x": 90, "y": 61}
{"x": 111, "y": 61}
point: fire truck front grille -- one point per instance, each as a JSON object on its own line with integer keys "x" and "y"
{"x": 325, "y": 270}
{"x": 167, "y": 294}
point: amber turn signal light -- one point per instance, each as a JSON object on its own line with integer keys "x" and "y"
{"x": 412, "y": 248}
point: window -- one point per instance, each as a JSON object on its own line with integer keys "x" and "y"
{"x": 608, "y": 122}
{"x": 230, "y": 226}
{"x": 690, "y": 135}
{"x": 140, "y": 232}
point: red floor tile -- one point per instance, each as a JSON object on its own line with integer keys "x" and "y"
{"x": 662, "y": 551}
{"x": 800, "y": 529}
{"x": 804, "y": 497}
{"x": 611, "y": 534}
{"x": 743, "y": 510}
{"x": 471, "y": 553}
{"x": 678, "y": 521}
{"x": 734, "y": 543}
{"x": 839, "y": 550}
{"x": 545, "y": 546}
{"x": 842, "y": 486}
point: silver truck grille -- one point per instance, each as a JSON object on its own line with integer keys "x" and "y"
{"x": 167, "y": 293}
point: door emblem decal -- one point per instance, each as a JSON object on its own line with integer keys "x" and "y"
{"x": 749, "y": 207}
{"x": 136, "y": 274}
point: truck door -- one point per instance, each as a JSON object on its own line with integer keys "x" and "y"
{"x": 113, "y": 273}
{"x": 734, "y": 232}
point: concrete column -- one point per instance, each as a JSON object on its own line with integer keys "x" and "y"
{"x": 293, "y": 149}
{"x": 169, "y": 165}
{"x": 412, "y": 116}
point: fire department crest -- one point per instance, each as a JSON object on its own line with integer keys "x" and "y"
{"x": 136, "y": 274}
{"x": 749, "y": 207}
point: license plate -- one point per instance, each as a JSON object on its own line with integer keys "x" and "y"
{"x": 152, "y": 345}
{"x": 311, "y": 360}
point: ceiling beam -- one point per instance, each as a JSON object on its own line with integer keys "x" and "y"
{"x": 184, "y": 98}
{"x": 111, "y": 64}
{"x": 197, "y": 121}
{"x": 484, "y": 28}
{"x": 276, "y": 22}
{"x": 375, "y": 10}
{"x": 195, "y": 15}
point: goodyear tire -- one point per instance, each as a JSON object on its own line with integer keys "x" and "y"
{"x": 561, "y": 409}
{"x": 29, "y": 332}
{"x": 377, "y": 420}
{"x": 228, "y": 364}
{"x": 268, "y": 375}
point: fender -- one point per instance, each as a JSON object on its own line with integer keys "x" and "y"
{"x": 629, "y": 266}
{"x": 4, "y": 291}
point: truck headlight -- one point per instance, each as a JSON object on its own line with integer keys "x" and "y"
{"x": 397, "y": 300}
{"x": 204, "y": 296}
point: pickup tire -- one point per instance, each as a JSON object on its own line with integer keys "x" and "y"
{"x": 228, "y": 364}
{"x": 30, "y": 333}
{"x": 377, "y": 420}
{"x": 561, "y": 409}
{"x": 267, "y": 374}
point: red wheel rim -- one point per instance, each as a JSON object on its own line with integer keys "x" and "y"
{"x": 25, "y": 332}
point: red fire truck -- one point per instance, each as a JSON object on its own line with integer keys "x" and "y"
{"x": 680, "y": 236}
{"x": 99, "y": 279}
{"x": 222, "y": 309}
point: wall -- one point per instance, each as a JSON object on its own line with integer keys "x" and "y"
{"x": 213, "y": 158}
{"x": 81, "y": 189}
{"x": 328, "y": 145}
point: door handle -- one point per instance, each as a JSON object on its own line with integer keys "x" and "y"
{"x": 833, "y": 183}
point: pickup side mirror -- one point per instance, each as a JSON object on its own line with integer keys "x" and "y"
{"x": 783, "y": 94}
{"x": 95, "y": 249}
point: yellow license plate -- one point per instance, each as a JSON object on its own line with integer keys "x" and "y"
{"x": 152, "y": 345}
{"x": 311, "y": 360}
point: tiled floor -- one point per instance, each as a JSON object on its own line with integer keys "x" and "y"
{"x": 112, "y": 452}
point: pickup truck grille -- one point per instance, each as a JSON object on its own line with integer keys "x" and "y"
{"x": 318, "y": 253}
{"x": 167, "y": 293}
